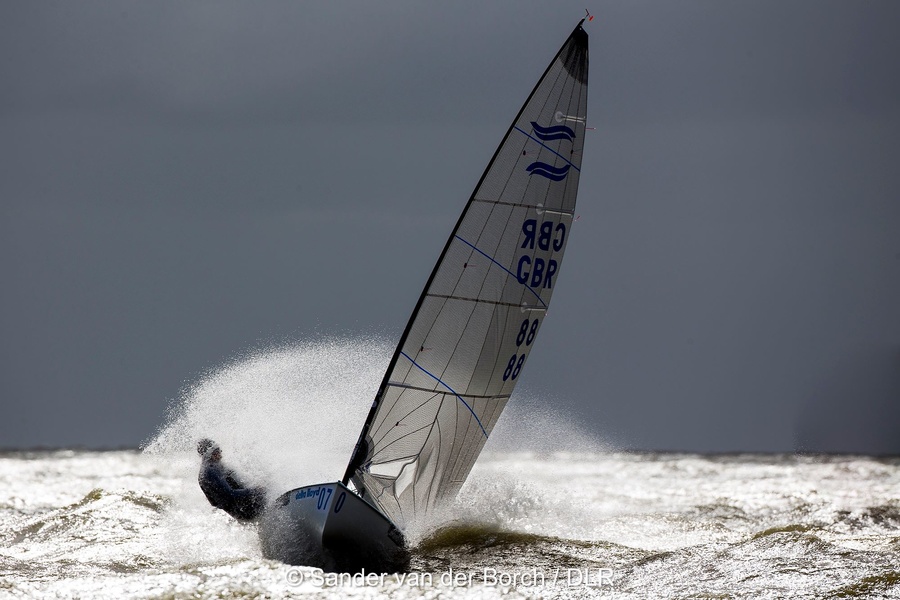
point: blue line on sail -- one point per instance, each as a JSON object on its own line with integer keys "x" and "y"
{"x": 438, "y": 379}
{"x": 523, "y": 132}
{"x": 502, "y": 267}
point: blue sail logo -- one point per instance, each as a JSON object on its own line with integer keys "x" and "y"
{"x": 556, "y": 132}
{"x": 548, "y": 171}
{"x": 549, "y": 134}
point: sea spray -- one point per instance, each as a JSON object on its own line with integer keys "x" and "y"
{"x": 537, "y": 424}
{"x": 502, "y": 495}
{"x": 290, "y": 415}
{"x": 284, "y": 416}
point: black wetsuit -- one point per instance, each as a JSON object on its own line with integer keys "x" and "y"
{"x": 224, "y": 490}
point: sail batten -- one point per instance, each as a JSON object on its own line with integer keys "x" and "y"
{"x": 538, "y": 208}
{"x": 472, "y": 396}
{"x": 479, "y": 300}
{"x": 480, "y": 312}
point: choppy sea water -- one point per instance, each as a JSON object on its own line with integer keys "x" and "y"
{"x": 127, "y": 524}
{"x": 549, "y": 510}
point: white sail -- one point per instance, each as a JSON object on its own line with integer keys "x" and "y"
{"x": 480, "y": 313}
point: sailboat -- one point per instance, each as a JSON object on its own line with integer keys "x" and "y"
{"x": 464, "y": 348}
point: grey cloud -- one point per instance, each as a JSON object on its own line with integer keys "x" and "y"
{"x": 183, "y": 181}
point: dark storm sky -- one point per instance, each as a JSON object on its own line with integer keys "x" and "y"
{"x": 182, "y": 181}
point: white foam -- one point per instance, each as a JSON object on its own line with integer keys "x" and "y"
{"x": 285, "y": 416}
{"x": 289, "y": 416}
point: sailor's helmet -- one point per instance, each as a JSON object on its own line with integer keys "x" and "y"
{"x": 206, "y": 446}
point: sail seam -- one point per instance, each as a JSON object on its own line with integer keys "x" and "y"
{"x": 524, "y": 205}
{"x": 438, "y": 379}
{"x": 477, "y": 300}
{"x": 392, "y": 442}
{"x": 438, "y": 449}
{"x": 386, "y": 421}
{"x": 420, "y": 389}
{"x": 502, "y": 267}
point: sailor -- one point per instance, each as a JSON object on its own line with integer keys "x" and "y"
{"x": 224, "y": 489}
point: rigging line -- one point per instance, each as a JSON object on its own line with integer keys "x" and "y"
{"x": 449, "y": 388}
{"x": 389, "y": 444}
{"x": 431, "y": 481}
{"x": 386, "y": 421}
{"x": 412, "y": 484}
{"x": 436, "y": 449}
{"x": 522, "y": 131}
{"x": 502, "y": 267}
{"x": 464, "y": 329}
{"x": 459, "y": 451}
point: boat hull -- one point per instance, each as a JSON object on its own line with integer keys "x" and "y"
{"x": 330, "y": 527}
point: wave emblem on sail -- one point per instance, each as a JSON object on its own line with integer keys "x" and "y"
{"x": 549, "y": 171}
{"x": 556, "y": 132}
